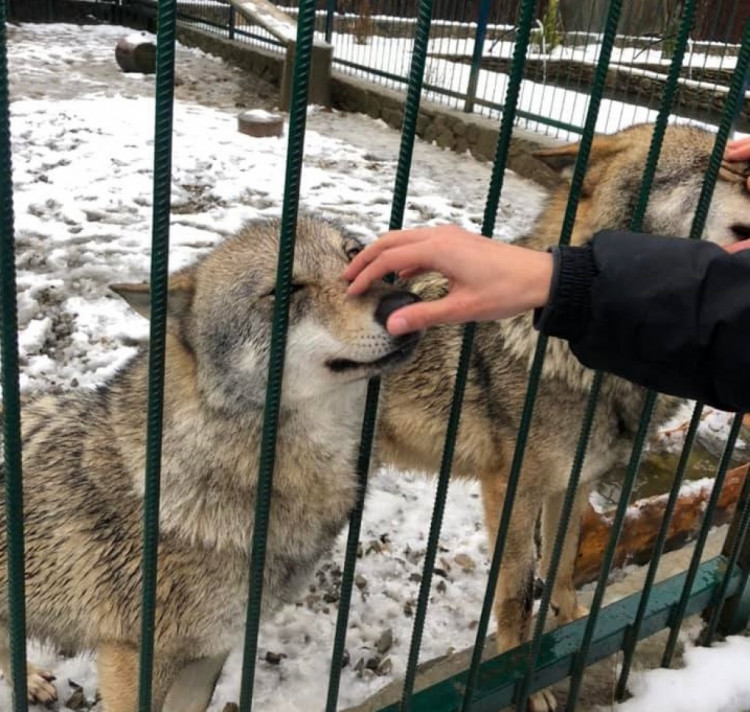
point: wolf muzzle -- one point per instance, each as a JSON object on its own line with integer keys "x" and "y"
{"x": 391, "y": 302}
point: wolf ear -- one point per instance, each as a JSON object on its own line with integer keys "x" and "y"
{"x": 179, "y": 297}
{"x": 561, "y": 157}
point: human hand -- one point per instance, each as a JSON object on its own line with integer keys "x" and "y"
{"x": 487, "y": 280}
{"x": 738, "y": 246}
{"x": 739, "y": 150}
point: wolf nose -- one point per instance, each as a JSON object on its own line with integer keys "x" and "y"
{"x": 392, "y": 301}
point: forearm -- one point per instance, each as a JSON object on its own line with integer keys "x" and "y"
{"x": 673, "y": 315}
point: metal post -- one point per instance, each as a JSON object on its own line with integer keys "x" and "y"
{"x": 330, "y": 10}
{"x": 476, "y": 58}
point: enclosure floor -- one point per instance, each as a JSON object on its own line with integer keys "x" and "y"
{"x": 597, "y": 691}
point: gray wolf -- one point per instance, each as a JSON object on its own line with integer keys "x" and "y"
{"x": 416, "y": 399}
{"x": 84, "y": 465}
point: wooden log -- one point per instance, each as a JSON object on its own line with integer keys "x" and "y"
{"x": 136, "y": 56}
{"x": 644, "y": 519}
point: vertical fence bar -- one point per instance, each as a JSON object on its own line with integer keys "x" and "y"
{"x": 700, "y": 544}
{"x": 535, "y": 371}
{"x": 297, "y": 122}
{"x": 330, "y": 10}
{"x": 686, "y": 24}
{"x": 488, "y": 226}
{"x": 476, "y": 57}
{"x": 735, "y": 612}
{"x": 696, "y": 232}
{"x": 11, "y": 396}
{"x": 636, "y": 222}
{"x": 631, "y": 638}
{"x": 232, "y": 21}
{"x": 403, "y": 169}
{"x": 165, "y": 54}
{"x": 352, "y": 541}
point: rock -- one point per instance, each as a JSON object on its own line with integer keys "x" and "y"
{"x": 360, "y": 582}
{"x": 274, "y": 658}
{"x": 231, "y": 707}
{"x": 385, "y": 641}
{"x": 373, "y": 663}
{"x": 260, "y": 123}
{"x": 134, "y": 56}
{"x": 465, "y": 562}
{"x": 385, "y": 668}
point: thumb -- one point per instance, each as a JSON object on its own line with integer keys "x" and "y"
{"x": 416, "y": 317}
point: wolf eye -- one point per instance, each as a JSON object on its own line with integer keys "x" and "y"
{"x": 295, "y": 288}
{"x": 352, "y": 248}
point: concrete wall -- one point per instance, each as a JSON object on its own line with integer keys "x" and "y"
{"x": 448, "y": 128}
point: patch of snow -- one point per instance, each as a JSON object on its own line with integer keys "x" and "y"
{"x": 713, "y": 680}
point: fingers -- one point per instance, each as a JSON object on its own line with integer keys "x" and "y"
{"x": 738, "y": 150}
{"x": 386, "y": 242}
{"x": 410, "y": 258}
{"x": 738, "y": 246}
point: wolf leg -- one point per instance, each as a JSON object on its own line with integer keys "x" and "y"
{"x": 514, "y": 595}
{"x": 117, "y": 665}
{"x": 38, "y": 681}
{"x": 564, "y": 598}
{"x": 194, "y": 687}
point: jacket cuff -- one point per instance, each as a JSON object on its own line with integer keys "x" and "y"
{"x": 569, "y": 307}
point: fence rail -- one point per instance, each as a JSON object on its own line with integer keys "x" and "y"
{"x": 719, "y": 586}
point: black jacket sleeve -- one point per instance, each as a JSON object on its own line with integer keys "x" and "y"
{"x": 666, "y": 313}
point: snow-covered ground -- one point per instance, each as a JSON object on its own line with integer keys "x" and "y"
{"x": 82, "y": 150}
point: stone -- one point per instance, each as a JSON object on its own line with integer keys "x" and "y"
{"x": 260, "y": 123}
{"x": 384, "y": 642}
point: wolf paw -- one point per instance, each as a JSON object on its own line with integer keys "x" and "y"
{"x": 542, "y": 701}
{"x": 39, "y": 685}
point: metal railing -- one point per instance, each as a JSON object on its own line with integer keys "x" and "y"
{"x": 468, "y": 60}
{"x": 719, "y": 585}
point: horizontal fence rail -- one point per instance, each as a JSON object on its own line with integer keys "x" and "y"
{"x": 469, "y": 57}
{"x": 443, "y": 52}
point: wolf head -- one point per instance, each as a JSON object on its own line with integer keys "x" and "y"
{"x": 221, "y": 311}
{"x": 613, "y": 178}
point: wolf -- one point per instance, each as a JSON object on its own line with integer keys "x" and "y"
{"x": 416, "y": 400}
{"x": 84, "y": 463}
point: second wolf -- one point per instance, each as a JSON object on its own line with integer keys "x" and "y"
{"x": 416, "y": 400}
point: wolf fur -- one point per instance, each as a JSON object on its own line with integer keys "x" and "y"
{"x": 84, "y": 464}
{"x": 416, "y": 399}
{"x": 84, "y": 451}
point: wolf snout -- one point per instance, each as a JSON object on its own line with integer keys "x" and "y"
{"x": 391, "y": 302}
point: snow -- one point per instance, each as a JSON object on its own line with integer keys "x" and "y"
{"x": 82, "y": 152}
{"x": 713, "y": 680}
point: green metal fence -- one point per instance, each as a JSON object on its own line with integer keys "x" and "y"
{"x": 721, "y": 586}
